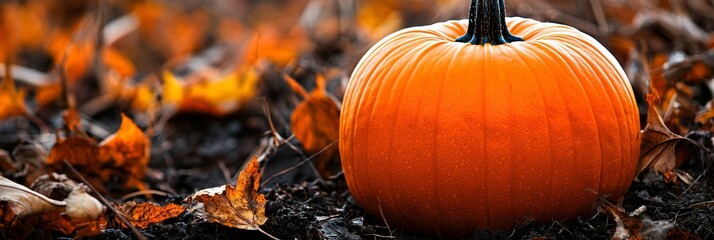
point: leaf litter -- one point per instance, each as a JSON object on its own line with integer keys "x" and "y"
{"x": 186, "y": 87}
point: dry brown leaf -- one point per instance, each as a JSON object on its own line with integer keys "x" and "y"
{"x": 694, "y": 69}
{"x": 634, "y": 227}
{"x": 628, "y": 227}
{"x": 82, "y": 217}
{"x": 659, "y": 144}
{"x": 54, "y": 185}
{"x": 18, "y": 202}
{"x": 144, "y": 214}
{"x": 30, "y": 158}
{"x": 238, "y": 207}
{"x": 81, "y": 205}
{"x": 6, "y": 163}
{"x": 315, "y": 122}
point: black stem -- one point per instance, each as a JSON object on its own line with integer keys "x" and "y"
{"x": 487, "y": 24}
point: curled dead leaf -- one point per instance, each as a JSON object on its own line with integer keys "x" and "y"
{"x": 316, "y": 122}
{"x": 81, "y": 205}
{"x": 238, "y": 207}
{"x": 660, "y": 145}
{"x": 18, "y": 202}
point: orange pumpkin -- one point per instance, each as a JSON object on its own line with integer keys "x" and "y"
{"x": 446, "y": 137}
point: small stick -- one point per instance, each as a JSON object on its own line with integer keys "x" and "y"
{"x": 297, "y": 165}
{"x": 105, "y": 202}
{"x": 144, "y": 192}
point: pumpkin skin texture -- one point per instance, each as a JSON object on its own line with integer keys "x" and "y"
{"x": 445, "y": 138}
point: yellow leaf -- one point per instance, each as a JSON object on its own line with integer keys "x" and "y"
{"x": 173, "y": 90}
{"x": 216, "y": 96}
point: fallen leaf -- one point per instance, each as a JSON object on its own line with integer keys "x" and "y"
{"x": 275, "y": 44}
{"x": 116, "y": 61}
{"x": 160, "y": 25}
{"x": 218, "y": 96}
{"x": 82, "y": 214}
{"x": 12, "y": 101}
{"x": 81, "y": 205}
{"x": 237, "y": 207}
{"x": 18, "y": 202}
{"x": 628, "y": 227}
{"x": 31, "y": 157}
{"x": 6, "y": 163}
{"x": 123, "y": 155}
{"x": 315, "y": 122}
{"x": 706, "y": 114}
{"x": 144, "y": 214}
{"x": 128, "y": 148}
{"x": 54, "y": 185}
{"x": 659, "y": 144}
{"x": 692, "y": 70}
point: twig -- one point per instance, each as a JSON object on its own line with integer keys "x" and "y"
{"x": 381, "y": 213}
{"x": 298, "y": 165}
{"x": 600, "y": 17}
{"x": 701, "y": 203}
{"x": 105, "y": 202}
{"x": 266, "y": 233}
{"x": 690, "y": 185}
{"x": 224, "y": 170}
{"x": 379, "y": 236}
{"x": 144, "y": 192}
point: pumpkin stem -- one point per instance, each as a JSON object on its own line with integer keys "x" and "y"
{"x": 487, "y": 24}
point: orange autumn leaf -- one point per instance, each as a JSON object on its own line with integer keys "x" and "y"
{"x": 237, "y": 207}
{"x": 214, "y": 96}
{"x": 275, "y": 44}
{"x": 140, "y": 97}
{"x": 77, "y": 57}
{"x": 83, "y": 216}
{"x": 660, "y": 146}
{"x": 169, "y": 30}
{"x": 24, "y": 24}
{"x": 48, "y": 94}
{"x": 144, "y": 214}
{"x": 379, "y": 18}
{"x": 124, "y": 154}
{"x": 128, "y": 148}
{"x": 12, "y": 101}
{"x": 116, "y": 61}
{"x": 143, "y": 99}
{"x": 315, "y": 122}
